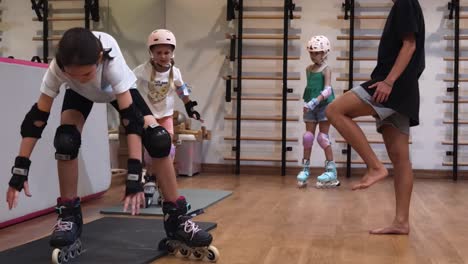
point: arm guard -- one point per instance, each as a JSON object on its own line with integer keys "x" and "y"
{"x": 183, "y": 91}
{"x": 20, "y": 173}
{"x": 326, "y": 92}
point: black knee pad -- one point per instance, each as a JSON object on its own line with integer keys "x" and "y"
{"x": 157, "y": 141}
{"x": 67, "y": 142}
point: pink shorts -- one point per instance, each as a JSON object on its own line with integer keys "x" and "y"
{"x": 167, "y": 123}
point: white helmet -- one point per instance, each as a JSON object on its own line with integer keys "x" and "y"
{"x": 319, "y": 43}
{"x": 161, "y": 36}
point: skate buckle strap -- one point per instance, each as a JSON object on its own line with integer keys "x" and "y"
{"x": 59, "y": 209}
{"x": 133, "y": 177}
{"x": 63, "y": 225}
{"x": 19, "y": 171}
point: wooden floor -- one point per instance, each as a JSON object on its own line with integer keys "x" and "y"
{"x": 268, "y": 220}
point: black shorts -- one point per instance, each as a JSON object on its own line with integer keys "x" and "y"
{"x": 73, "y": 100}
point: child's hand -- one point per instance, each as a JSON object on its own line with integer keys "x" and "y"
{"x": 189, "y": 107}
{"x": 312, "y": 104}
{"x": 305, "y": 109}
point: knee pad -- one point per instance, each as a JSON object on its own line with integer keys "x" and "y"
{"x": 157, "y": 141}
{"x": 323, "y": 140}
{"x": 172, "y": 153}
{"x": 67, "y": 142}
{"x": 132, "y": 120}
{"x": 308, "y": 139}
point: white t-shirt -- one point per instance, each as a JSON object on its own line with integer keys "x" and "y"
{"x": 157, "y": 93}
{"x": 112, "y": 76}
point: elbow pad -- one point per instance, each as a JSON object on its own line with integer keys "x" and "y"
{"x": 183, "y": 91}
{"x": 326, "y": 92}
{"x": 28, "y": 128}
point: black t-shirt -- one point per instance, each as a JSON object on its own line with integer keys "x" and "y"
{"x": 405, "y": 17}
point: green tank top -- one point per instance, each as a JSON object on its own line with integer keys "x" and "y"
{"x": 315, "y": 83}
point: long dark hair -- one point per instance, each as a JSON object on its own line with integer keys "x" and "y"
{"x": 79, "y": 46}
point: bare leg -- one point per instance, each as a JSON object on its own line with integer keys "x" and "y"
{"x": 164, "y": 169}
{"x": 68, "y": 169}
{"x": 397, "y": 145}
{"x": 324, "y": 128}
{"x": 166, "y": 178}
{"x": 148, "y": 161}
{"x": 310, "y": 127}
{"x": 340, "y": 114}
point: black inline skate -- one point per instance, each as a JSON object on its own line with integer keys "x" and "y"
{"x": 65, "y": 238}
{"x": 184, "y": 235}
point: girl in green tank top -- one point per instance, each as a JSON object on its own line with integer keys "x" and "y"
{"x": 317, "y": 95}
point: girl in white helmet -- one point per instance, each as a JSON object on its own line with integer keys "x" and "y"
{"x": 159, "y": 82}
{"x": 317, "y": 95}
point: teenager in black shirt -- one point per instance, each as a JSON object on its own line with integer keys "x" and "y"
{"x": 392, "y": 97}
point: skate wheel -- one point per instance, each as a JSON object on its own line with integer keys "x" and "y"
{"x": 79, "y": 248}
{"x": 57, "y": 256}
{"x": 213, "y": 254}
{"x": 198, "y": 254}
{"x": 301, "y": 184}
{"x": 184, "y": 252}
{"x": 72, "y": 253}
{"x": 164, "y": 245}
{"x": 66, "y": 256}
{"x": 149, "y": 201}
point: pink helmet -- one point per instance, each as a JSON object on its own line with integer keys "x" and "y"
{"x": 161, "y": 36}
{"x": 319, "y": 43}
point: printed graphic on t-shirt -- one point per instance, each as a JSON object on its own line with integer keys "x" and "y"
{"x": 157, "y": 91}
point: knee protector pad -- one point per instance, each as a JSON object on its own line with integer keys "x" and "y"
{"x": 132, "y": 120}
{"x": 157, "y": 141}
{"x": 308, "y": 139}
{"x": 323, "y": 140}
{"x": 172, "y": 153}
{"x": 67, "y": 142}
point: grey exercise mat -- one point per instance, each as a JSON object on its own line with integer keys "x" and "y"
{"x": 198, "y": 199}
{"x": 110, "y": 240}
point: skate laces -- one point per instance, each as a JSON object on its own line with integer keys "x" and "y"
{"x": 190, "y": 227}
{"x": 63, "y": 225}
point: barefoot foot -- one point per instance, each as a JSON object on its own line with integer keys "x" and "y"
{"x": 372, "y": 176}
{"x": 394, "y": 229}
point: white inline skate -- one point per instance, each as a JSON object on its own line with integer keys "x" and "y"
{"x": 303, "y": 174}
{"x": 328, "y": 179}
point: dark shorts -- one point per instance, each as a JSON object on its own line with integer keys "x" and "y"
{"x": 73, "y": 100}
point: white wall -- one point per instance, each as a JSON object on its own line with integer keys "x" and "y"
{"x": 93, "y": 160}
{"x": 130, "y": 24}
{"x": 200, "y": 26}
{"x": 202, "y": 48}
